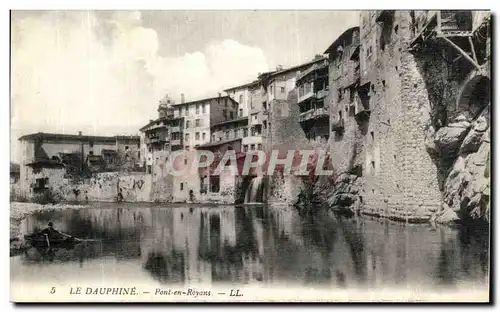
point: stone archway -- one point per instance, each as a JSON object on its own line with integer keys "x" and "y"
{"x": 474, "y": 95}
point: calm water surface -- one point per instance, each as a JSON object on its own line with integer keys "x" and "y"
{"x": 186, "y": 245}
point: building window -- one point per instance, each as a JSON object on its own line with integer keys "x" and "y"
{"x": 225, "y": 103}
{"x": 271, "y": 89}
{"x": 235, "y": 132}
{"x": 91, "y": 144}
{"x": 282, "y": 89}
{"x": 245, "y": 148}
{"x": 339, "y": 98}
{"x": 197, "y": 123}
{"x": 235, "y": 105}
{"x": 197, "y": 136}
{"x": 241, "y": 98}
{"x": 182, "y": 186}
{"x": 197, "y": 109}
{"x": 126, "y": 147}
{"x": 264, "y": 123}
{"x": 186, "y": 147}
{"x": 204, "y": 108}
{"x": 41, "y": 185}
{"x": 245, "y": 132}
{"x": 186, "y": 137}
{"x": 187, "y": 124}
{"x": 224, "y": 113}
{"x": 148, "y": 169}
{"x": 241, "y": 112}
{"x": 227, "y": 135}
{"x": 373, "y": 136}
{"x": 213, "y": 137}
{"x": 203, "y": 136}
{"x": 150, "y": 149}
{"x": 180, "y": 111}
{"x": 252, "y": 147}
{"x": 352, "y": 111}
{"x": 214, "y": 184}
{"x": 368, "y": 52}
{"x": 259, "y": 147}
{"x": 231, "y": 115}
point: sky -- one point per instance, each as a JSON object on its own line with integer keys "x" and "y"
{"x": 104, "y": 72}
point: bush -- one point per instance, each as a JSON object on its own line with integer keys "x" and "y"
{"x": 47, "y": 197}
{"x": 17, "y": 198}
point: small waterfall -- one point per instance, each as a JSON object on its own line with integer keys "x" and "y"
{"x": 254, "y": 191}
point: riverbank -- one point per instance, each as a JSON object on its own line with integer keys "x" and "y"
{"x": 19, "y": 211}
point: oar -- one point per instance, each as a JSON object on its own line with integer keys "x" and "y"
{"x": 48, "y": 241}
{"x": 79, "y": 239}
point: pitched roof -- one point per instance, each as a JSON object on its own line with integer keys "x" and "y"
{"x": 249, "y": 84}
{"x": 46, "y": 163}
{"x": 339, "y": 39}
{"x": 204, "y": 100}
{"x": 296, "y": 67}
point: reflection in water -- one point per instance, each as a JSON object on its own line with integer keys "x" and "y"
{"x": 260, "y": 244}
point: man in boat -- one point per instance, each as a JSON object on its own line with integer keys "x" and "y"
{"x": 50, "y": 231}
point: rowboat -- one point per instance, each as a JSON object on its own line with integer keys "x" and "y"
{"x": 39, "y": 240}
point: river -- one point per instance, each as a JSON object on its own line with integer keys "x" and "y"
{"x": 265, "y": 245}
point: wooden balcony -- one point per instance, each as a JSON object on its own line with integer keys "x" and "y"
{"x": 321, "y": 94}
{"x": 161, "y": 137}
{"x": 305, "y": 97}
{"x": 314, "y": 113}
{"x": 176, "y": 142}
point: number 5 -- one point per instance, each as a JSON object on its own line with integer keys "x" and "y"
{"x": 53, "y": 290}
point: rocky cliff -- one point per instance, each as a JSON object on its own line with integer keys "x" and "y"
{"x": 466, "y": 191}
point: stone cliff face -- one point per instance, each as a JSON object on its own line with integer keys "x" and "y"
{"x": 466, "y": 193}
{"x": 423, "y": 154}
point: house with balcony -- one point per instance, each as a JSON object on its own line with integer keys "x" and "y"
{"x": 280, "y": 104}
{"x": 49, "y": 158}
{"x": 229, "y": 130}
{"x": 161, "y": 136}
{"x": 199, "y": 115}
{"x": 312, "y": 86}
{"x": 241, "y": 94}
{"x": 257, "y": 117}
{"x": 344, "y": 82}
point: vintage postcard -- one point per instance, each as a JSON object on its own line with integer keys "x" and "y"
{"x": 250, "y": 156}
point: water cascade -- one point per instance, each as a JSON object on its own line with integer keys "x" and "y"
{"x": 254, "y": 192}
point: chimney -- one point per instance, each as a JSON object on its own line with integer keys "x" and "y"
{"x": 182, "y": 98}
{"x": 220, "y": 94}
{"x": 82, "y": 152}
